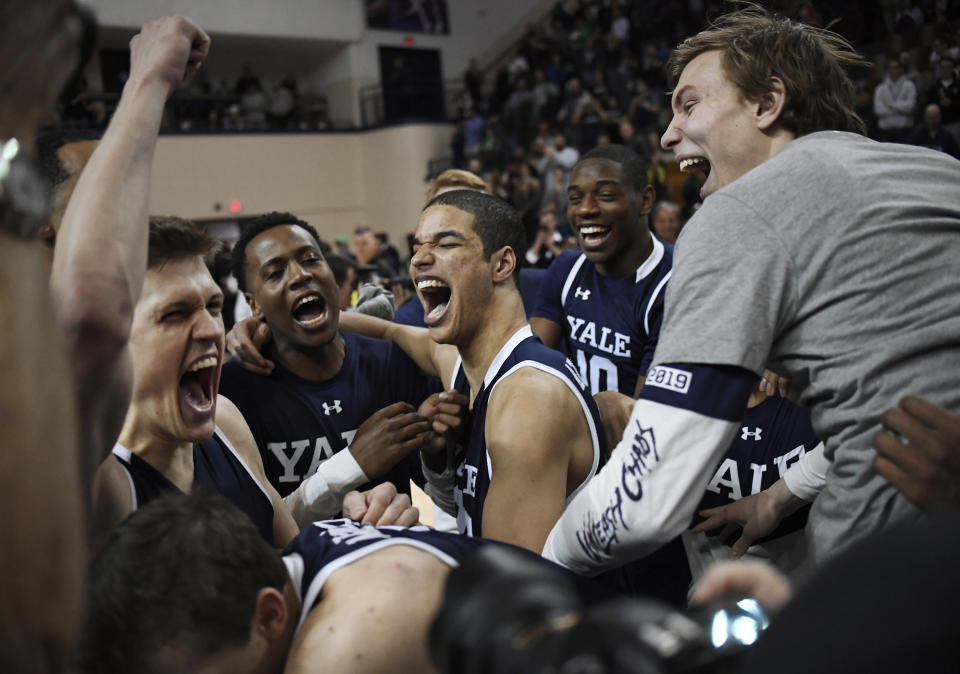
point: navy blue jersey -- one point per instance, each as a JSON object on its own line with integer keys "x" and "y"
{"x": 772, "y": 437}
{"x": 217, "y": 467}
{"x": 411, "y": 313}
{"x": 324, "y": 547}
{"x": 523, "y": 349}
{"x": 610, "y": 324}
{"x": 298, "y": 423}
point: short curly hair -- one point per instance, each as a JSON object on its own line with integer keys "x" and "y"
{"x": 255, "y": 227}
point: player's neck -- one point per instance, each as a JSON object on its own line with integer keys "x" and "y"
{"x": 630, "y": 261}
{"x": 170, "y": 457}
{"x": 312, "y": 363}
{"x": 756, "y": 397}
{"x": 503, "y": 317}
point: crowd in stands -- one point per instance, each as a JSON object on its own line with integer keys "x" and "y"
{"x": 592, "y": 72}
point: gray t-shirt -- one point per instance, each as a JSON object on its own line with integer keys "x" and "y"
{"x": 836, "y": 262}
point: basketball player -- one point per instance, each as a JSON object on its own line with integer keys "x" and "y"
{"x": 604, "y": 302}
{"x": 179, "y": 435}
{"x": 337, "y": 409}
{"x": 188, "y": 584}
{"x": 758, "y": 280}
{"x": 534, "y": 434}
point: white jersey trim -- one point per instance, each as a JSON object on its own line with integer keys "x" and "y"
{"x": 505, "y": 352}
{"x": 226, "y": 443}
{"x": 571, "y": 276}
{"x": 456, "y": 368}
{"x": 313, "y": 591}
{"x": 653, "y": 298}
{"x": 124, "y": 453}
{"x": 651, "y": 262}
{"x": 594, "y": 437}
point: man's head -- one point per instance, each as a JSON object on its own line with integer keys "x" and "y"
{"x": 61, "y": 155}
{"x": 279, "y": 265}
{"x": 666, "y": 221}
{"x": 607, "y": 199}
{"x": 455, "y": 179}
{"x": 467, "y": 246}
{"x": 932, "y": 117}
{"x": 176, "y": 339}
{"x": 187, "y": 584}
{"x": 364, "y": 245}
{"x": 345, "y": 274}
{"x": 947, "y": 68}
{"x": 748, "y": 85}
{"x": 894, "y": 69}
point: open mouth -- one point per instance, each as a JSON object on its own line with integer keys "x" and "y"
{"x": 593, "y": 235}
{"x": 196, "y": 386}
{"x": 310, "y": 310}
{"x": 436, "y": 299}
{"x": 698, "y": 165}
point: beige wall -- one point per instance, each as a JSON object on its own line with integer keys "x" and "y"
{"x": 334, "y": 181}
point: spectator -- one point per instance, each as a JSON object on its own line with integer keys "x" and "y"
{"x": 894, "y": 102}
{"x": 946, "y": 94}
{"x": 665, "y": 218}
{"x": 931, "y": 134}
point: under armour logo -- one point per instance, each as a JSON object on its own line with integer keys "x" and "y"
{"x": 582, "y": 294}
{"x": 335, "y": 407}
{"x": 745, "y": 433}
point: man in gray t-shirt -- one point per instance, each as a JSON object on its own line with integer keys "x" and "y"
{"x": 828, "y": 255}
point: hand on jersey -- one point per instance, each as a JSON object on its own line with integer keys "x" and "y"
{"x": 246, "y": 340}
{"x": 380, "y": 506}
{"x": 445, "y": 411}
{"x": 166, "y": 50}
{"x": 924, "y": 462}
{"x": 759, "y": 515}
{"x": 387, "y": 436}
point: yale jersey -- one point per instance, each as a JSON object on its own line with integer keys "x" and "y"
{"x": 771, "y": 438}
{"x": 217, "y": 467}
{"x": 324, "y": 547}
{"x": 298, "y": 423}
{"x": 610, "y": 324}
{"x": 523, "y": 349}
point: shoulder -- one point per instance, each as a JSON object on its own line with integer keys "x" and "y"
{"x": 534, "y": 391}
{"x": 234, "y": 427}
{"x": 113, "y": 498}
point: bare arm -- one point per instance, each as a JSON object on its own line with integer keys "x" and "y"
{"x": 112, "y": 500}
{"x": 231, "y": 422}
{"x": 532, "y": 424}
{"x": 101, "y": 249}
{"x": 436, "y": 360}
{"x": 42, "y": 531}
{"x": 550, "y": 333}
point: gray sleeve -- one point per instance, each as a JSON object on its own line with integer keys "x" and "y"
{"x": 731, "y": 291}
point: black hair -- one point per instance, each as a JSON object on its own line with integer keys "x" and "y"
{"x": 633, "y": 166}
{"x": 48, "y": 144}
{"x": 182, "y": 572}
{"x": 339, "y": 266}
{"x": 256, "y": 226}
{"x": 497, "y": 223}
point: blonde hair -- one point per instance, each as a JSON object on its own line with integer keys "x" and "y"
{"x": 456, "y": 178}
